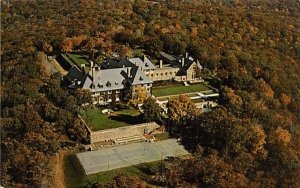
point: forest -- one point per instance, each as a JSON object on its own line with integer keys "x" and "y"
{"x": 251, "y": 48}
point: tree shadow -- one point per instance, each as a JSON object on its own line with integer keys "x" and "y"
{"x": 127, "y": 119}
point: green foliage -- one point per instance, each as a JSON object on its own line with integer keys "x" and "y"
{"x": 152, "y": 110}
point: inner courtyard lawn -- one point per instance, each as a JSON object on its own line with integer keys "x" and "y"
{"x": 177, "y": 90}
{"x": 79, "y": 59}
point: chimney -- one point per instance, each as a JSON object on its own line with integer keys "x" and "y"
{"x": 128, "y": 72}
{"x": 182, "y": 62}
{"x": 82, "y": 67}
{"x": 160, "y": 63}
{"x": 186, "y": 54}
{"x": 93, "y": 73}
{"x": 92, "y": 63}
{"x": 144, "y": 58}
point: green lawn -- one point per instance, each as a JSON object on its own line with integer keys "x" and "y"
{"x": 98, "y": 121}
{"x": 197, "y": 100}
{"x": 78, "y": 59}
{"x": 130, "y": 112}
{"x": 177, "y": 90}
{"x": 161, "y": 136}
{"x": 75, "y": 177}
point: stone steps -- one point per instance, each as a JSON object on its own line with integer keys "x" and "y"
{"x": 128, "y": 139}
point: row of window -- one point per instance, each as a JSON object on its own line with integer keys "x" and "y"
{"x": 162, "y": 74}
{"x": 142, "y": 90}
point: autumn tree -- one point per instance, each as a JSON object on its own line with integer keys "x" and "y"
{"x": 66, "y": 45}
{"x": 180, "y": 108}
{"x": 152, "y": 110}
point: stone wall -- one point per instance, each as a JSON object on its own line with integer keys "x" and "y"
{"x": 132, "y": 130}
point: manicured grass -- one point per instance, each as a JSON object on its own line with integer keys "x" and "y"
{"x": 193, "y": 95}
{"x": 75, "y": 177}
{"x": 161, "y": 136}
{"x": 131, "y": 112}
{"x": 177, "y": 90}
{"x": 98, "y": 121}
{"x": 197, "y": 100}
{"x": 78, "y": 59}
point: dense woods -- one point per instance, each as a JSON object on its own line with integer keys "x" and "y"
{"x": 252, "y": 48}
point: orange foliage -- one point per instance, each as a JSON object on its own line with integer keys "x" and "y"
{"x": 285, "y": 99}
{"x": 265, "y": 88}
{"x": 281, "y": 136}
{"x": 233, "y": 98}
{"x": 78, "y": 40}
{"x": 260, "y": 140}
{"x": 66, "y": 45}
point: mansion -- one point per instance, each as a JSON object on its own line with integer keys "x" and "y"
{"x": 131, "y": 78}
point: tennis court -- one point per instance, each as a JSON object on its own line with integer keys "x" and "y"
{"x": 127, "y": 155}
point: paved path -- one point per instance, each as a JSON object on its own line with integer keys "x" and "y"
{"x": 128, "y": 155}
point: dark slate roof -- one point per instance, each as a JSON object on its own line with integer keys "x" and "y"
{"x": 177, "y": 62}
{"x": 138, "y": 77}
{"x": 167, "y": 56}
{"x": 146, "y": 64}
{"x": 111, "y": 63}
{"x": 113, "y": 79}
{"x": 103, "y": 80}
{"x": 74, "y": 73}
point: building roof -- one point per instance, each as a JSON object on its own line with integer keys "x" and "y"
{"x": 146, "y": 64}
{"x": 139, "y": 77}
{"x": 113, "y": 79}
{"x": 103, "y": 80}
{"x": 181, "y": 61}
{"x": 74, "y": 73}
{"x": 167, "y": 57}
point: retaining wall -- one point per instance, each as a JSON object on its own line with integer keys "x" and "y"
{"x": 132, "y": 130}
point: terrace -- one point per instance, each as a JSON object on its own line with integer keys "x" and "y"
{"x": 178, "y": 90}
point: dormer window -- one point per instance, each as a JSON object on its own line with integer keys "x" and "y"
{"x": 146, "y": 65}
{"x": 116, "y": 83}
{"x": 108, "y": 84}
{"x": 141, "y": 78}
{"x": 100, "y": 86}
{"x": 92, "y": 86}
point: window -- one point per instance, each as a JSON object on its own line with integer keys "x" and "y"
{"x": 151, "y": 75}
{"x": 162, "y": 74}
{"x": 171, "y": 73}
{"x": 166, "y": 73}
{"x": 148, "y": 84}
